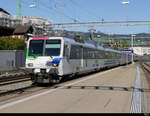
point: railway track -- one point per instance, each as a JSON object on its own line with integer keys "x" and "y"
{"x": 20, "y": 79}
{"x": 12, "y": 77}
{"x": 13, "y": 82}
{"x": 146, "y": 66}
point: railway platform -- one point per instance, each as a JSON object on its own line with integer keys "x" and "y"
{"x": 123, "y": 89}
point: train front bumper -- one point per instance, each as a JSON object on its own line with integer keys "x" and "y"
{"x": 43, "y": 75}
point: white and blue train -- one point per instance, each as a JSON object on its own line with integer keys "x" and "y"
{"x": 49, "y": 59}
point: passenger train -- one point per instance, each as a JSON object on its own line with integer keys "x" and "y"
{"x": 49, "y": 59}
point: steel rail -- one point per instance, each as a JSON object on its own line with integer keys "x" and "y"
{"x": 9, "y": 78}
{"x": 146, "y": 67}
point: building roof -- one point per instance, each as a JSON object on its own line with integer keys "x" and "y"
{"x": 2, "y": 10}
{"x": 23, "y": 29}
{"x": 8, "y": 28}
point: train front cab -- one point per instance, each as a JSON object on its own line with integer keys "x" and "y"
{"x": 44, "y": 59}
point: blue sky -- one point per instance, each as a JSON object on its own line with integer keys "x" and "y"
{"x": 86, "y": 11}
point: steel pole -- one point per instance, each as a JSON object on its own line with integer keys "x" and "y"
{"x": 132, "y": 38}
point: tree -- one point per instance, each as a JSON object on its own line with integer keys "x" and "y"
{"x": 124, "y": 44}
{"x": 7, "y": 43}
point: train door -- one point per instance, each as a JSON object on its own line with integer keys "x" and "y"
{"x": 85, "y": 57}
{"x": 79, "y": 56}
{"x": 66, "y": 60}
{"x": 82, "y": 61}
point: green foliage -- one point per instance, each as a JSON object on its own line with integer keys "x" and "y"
{"x": 124, "y": 44}
{"x": 115, "y": 44}
{"x": 7, "y": 43}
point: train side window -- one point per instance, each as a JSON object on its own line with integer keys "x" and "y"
{"x": 89, "y": 53}
{"x": 76, "y": 52}
{"x": 101, "y": 54}
{"x": 85, "y": 53}
{"x": 92, "y": 54}
{"x": 106, "y": 55}
{"x": 96, "y": 54}
{"x": 73, "y": 52}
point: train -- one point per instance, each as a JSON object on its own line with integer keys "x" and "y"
{"x": 50, "y": 59}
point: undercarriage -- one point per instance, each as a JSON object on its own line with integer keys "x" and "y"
{"x": 44, "y": 77}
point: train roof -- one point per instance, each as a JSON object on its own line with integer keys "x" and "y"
{"x": 112, "y": 50}
{"x": 89, "y": 43}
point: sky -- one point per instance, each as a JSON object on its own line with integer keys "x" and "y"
{"x": 66, "y": 11}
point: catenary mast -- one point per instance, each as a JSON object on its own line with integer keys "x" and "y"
{"x": 19, "y": 7}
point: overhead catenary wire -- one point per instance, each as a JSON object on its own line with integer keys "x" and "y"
{"x": 55, "y": 10}
{"x": 85, "y": 10}
{"x": 51, "y": 9}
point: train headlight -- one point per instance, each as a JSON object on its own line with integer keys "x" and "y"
{"x": 30, "y": 64}
{"x": 55, "y": 65}
{"x": 55, "y": 62}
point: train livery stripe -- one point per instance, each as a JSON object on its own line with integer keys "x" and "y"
{"x": 27, "y": 52}
{"x": 57, "y": 60}
{"x": 39, "y": 38}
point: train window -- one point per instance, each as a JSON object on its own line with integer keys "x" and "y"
{"x": 85, "y": 53}
{"x": 119, "y": 55}
{"x": 110, "y": 55}
{"x": 89, "y": 53}
{"x": 93, "y": 54}
{"x": 116, "y": 56}
{"x": 101, "y": 54}
{"x": 113, "y": 55}
{"x": 106, "y": 55}
{"x": 73, "y": 52}
{"x": 96, "y": 54}
{"x": 76, "y": 52}
{"x": 52, "y": 47}
{"x": 36, "y": 48}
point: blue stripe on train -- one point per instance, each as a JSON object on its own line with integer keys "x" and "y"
{"x": 57, "y": 60}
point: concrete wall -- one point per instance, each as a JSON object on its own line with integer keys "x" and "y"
{"x": 11, "y": 59}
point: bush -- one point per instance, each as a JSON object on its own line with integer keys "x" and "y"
{"x": 7, "y": 43}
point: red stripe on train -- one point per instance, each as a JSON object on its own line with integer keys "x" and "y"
{"x": 39, "y": 38}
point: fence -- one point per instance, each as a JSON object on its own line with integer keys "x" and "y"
{"x": 11, "y": 59}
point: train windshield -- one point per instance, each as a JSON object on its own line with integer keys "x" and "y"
{"x": 44, "y": 48}
{"x": 36, "y": 48}
{"x": 52, "y": 47}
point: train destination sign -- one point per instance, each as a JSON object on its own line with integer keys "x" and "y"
{"x": 127, "y": 51}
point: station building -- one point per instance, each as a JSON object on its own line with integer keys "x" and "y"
{"x": 5, "y": 23}
{"x": 11, "y": 25}
{"x": 142, "y": 50}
